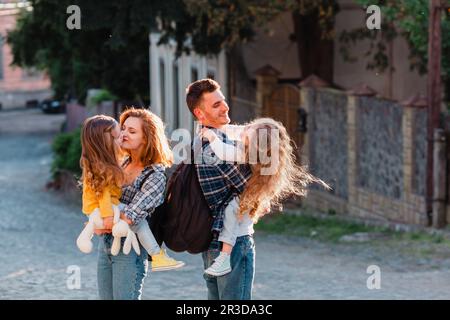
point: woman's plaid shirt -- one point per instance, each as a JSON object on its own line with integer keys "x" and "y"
{"x": 220, "y": 181}
{"x": 145, "y": 193}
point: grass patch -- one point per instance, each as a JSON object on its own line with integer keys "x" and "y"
{"x": 329, "y": 229}
{"x": 333, "y": 228}
{"x": 410, "y": 246}
{"x": 421, "y": 237}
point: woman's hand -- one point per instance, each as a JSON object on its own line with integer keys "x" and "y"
{"x": 124, "y": 218}
{"x": 108, "y": 222}
{"x": 208, "y": 134}
{"x": 108, "y": 229}
{"x": 100, "y": 232}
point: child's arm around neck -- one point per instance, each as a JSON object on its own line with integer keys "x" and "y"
{"x": 233, "y": 131}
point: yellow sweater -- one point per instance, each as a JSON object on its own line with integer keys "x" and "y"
{"x": 110, "y": 196}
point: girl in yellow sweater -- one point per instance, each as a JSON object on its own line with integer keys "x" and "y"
{"x": 101, "y": 176}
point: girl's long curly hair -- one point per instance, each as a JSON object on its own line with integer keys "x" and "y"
{"x": 157, "y": 148}
{"x": 100, "y": 154}
{"x": 275, "y": 173}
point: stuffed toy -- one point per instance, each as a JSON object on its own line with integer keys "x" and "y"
{"x": 119, "y": 230}
{"x": 122, "y": 229}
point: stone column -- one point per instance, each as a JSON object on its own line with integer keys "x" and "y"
{"x": 352, "y": 145}
{"x": 308, "y": 88}
{"x": 410, "y": 199}
{"x": 439, "y": 186}
{"x": 407, "y": 129}
{"x": 352, "y": 149}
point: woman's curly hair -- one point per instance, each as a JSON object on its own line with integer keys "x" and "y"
{"x": 156, "y": 148}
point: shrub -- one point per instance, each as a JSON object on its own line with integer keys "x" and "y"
{"x": 103, "y": 95}
{"x": 67, "y": 152}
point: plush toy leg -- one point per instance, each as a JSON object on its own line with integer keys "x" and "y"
{"x": 84, "y": 242}
{"x": 116, "y": 213}
{"x": 127, "y": 245}
{"x": 119, "y": 230}
{"x": 96, "y": 219}
{"x": 131, "y": 241}
{"x": 135, "y": 243}
{"x": 115, "y": 247}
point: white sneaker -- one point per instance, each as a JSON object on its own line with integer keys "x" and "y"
{"x": 221, "y": 266}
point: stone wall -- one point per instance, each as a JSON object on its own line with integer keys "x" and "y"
{"x": 328, "y": 130}
{"x": 76, "y": 113}
{"x": 379, "y": 144}
{"x": 17, "y": 86}
{"x": 372, "y": 151}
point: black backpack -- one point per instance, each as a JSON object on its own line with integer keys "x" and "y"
{"x": 184, "y": 221}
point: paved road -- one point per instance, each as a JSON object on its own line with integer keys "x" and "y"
{"x": 38, "y": 229}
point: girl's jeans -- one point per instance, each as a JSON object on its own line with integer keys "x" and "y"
{"x": 146, "y": 238}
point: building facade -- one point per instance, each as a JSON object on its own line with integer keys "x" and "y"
{"x": 170, "y": 76}
{"x": 18, "y": 87}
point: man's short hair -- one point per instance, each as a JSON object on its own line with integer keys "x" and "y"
{"x": 195, "y": 91}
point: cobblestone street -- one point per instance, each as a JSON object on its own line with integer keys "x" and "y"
{"x": 38, "y": 229}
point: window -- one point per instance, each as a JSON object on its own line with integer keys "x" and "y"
{"x": 162, "y": 85}
{"x": 176, "y": 102}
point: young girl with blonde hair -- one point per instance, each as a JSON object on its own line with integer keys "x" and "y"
{"x": 267, "y": 147}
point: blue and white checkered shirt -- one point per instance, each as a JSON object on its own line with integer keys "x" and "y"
{"x": 144, "y": 194}
{"x": 220, "y": 181}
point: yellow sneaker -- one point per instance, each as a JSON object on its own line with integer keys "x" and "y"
{"x": 162, "y": 262}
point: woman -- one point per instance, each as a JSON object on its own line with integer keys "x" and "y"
{"x": 143, "y": 140}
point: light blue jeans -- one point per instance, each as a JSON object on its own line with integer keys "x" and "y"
{"x": 120, "y": 277}
{"x": 144, "y": 234}
{"x": 228, "y": 234}
{"x": 238, "y": 284}
{"x": 146, "y": 237}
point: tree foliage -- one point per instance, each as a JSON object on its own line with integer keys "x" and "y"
{"x": 407, "y": 18}
{"x": 111, "y": 49}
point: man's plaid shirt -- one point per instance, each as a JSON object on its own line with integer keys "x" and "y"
{"x": 145, "y": 193}
{"x": 220, "y": 181}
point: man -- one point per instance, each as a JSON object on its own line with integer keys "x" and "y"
{"x": 220, "y": 182}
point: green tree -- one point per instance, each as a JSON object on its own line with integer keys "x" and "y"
{"x": 111, "y": 49}
{"x": 407, "y": 18}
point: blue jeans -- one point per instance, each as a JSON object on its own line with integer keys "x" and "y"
{"x": 120, "y": 277}
{"x": 238, "y": 284}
